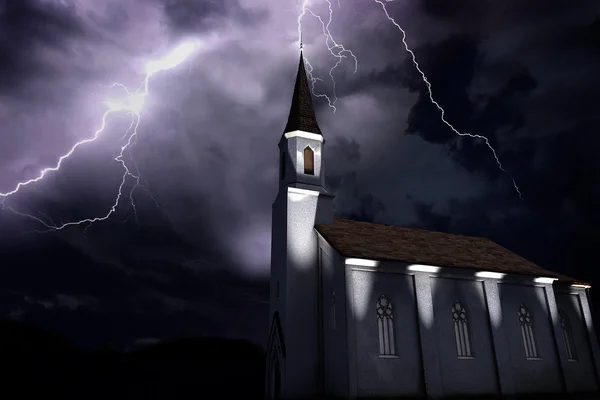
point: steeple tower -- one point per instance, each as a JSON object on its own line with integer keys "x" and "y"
{"x": 295, "y": 363}
{"x": 302, "y": 141}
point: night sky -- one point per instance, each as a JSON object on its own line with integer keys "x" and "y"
{"x": 194, "y": 258}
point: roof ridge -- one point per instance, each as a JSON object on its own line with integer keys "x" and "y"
{"x": 414, "y": 229}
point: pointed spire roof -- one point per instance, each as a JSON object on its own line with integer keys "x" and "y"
{"x": 302, "y": 114}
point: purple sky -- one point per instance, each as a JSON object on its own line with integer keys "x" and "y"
{"x": 521, "y": 73}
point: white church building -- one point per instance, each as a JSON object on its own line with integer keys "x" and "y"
{"x": 360, "y": 309}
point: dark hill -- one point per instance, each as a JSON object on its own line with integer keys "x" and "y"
{"x": 39, "y": 362}
{"x": 18, "y": 340}
{"x": 200, "y": 349}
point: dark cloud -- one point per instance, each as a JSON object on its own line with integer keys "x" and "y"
{"x": 369, "y": 209}
{"x": 448, "y": 9}
{"x": 25, "y": 27}
{"x": 341, "y": 154}
{"x": 556, "y": 171}
{"x": 588, "y": 36}
{"x": 84, "y": 299}
{"x": 343, "y": 158}
{"x": 450, "y": 67}
{"x": 191, "y": 16}
{"x": 529, "y": 86}
{"x": 207, "y": 148}
{"x": 498, "y": 13}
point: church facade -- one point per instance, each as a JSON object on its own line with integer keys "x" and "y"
{"x": 360, "y": 309}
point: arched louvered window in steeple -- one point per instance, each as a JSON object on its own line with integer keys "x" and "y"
{"x": 309, "y": 161}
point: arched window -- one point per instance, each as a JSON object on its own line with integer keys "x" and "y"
{"x": 332, "y": 311}
{"x": 461, "y": 331}
{"x": 275, "y": 378}
{"x": 276, "y": 353}
{"x": 385, "y": 325}
{"x": 567, "y": 331}
{"x": 309, "y": 161}
{"x": 282, "y": 165}
{"x": 526, "y": 322}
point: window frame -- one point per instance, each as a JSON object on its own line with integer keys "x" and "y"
{"x": 386, "y": 327}
{"x": 568, "y": 336}
{"x": 462, "y": 332}
{"x": 332, "y": 314}
{"x": 309, "y": 169}
{"x": 525, "y": 319}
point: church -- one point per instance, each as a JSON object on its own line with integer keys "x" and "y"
{"x": 368, "y": 310}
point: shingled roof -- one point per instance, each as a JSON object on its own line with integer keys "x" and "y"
{"x": 392, "y": 243}
{"x": 302, "y": 114}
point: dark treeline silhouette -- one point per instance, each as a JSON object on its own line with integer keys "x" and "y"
{"x": 39, "y": 363}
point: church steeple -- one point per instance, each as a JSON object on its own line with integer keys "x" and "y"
{"x": 301, "y": 145}
{"x": 302, "y": 114}
{"x": 301, "y": 203}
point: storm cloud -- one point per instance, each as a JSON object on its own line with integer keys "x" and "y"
{"x": 195, "y": 257}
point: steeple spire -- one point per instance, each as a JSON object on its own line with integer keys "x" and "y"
{"x": 302, "y": 115}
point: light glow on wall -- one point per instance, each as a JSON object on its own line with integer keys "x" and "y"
{"x": 423, "y": 268}
{"x": 297, "y": 194}
{"x": 545, "y": 280}
{"x": 361, "y": 262}
{"x": 301, "y": 235}
{"x": 491, "y": 275}
{"x": 362, "y": 288}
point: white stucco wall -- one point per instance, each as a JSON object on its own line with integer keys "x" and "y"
{"x": 278, "y": 258}
{"x": 476, "y": 375}
{"x": 301, "y": 308}
{"x": 301, "y": 203}
{"x": 424, "y": 333}
{"x": 579, "y": 373}
{"x": 278, "y": 278}
{"x": 377, "y": 376}
{"x": 543, "y": 374}
{"x": 335, "y": 340}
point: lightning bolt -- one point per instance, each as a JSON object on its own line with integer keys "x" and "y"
{"x": 436, "y": 104}
{"x": 132, "y": 103}
{"x": 337, "y": 50}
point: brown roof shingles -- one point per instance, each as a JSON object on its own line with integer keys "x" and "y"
{"x": 393, "y": 243}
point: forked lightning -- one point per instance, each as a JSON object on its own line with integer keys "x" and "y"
{"x": 437, "y": 105}
{"x": 132, "y": 103}
{"x": 340, "y": 52}
{"x": 336, "y": 49}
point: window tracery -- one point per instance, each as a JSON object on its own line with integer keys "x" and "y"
{"x": 461, "y": 331}
{"x": 385, "y": 326}
{"x": 567, "y": 330}
{"x": 526, "y": 322}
